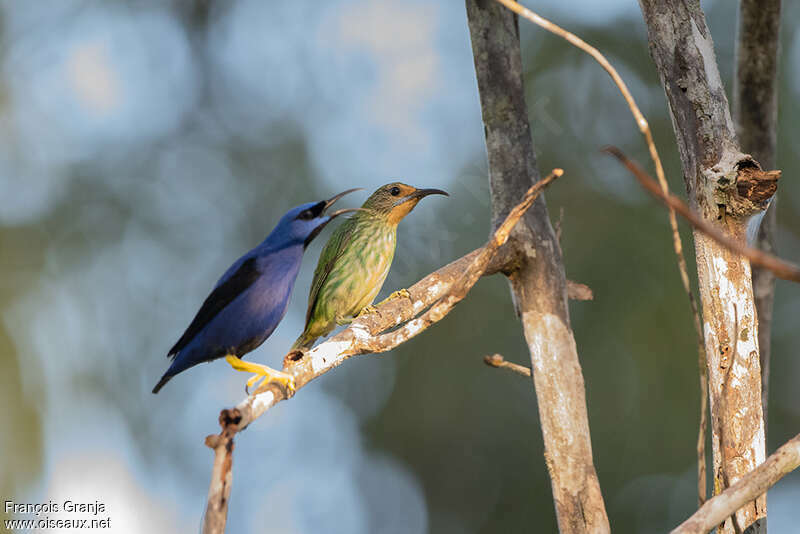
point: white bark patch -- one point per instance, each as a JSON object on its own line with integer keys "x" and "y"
{"x": 728, "y": 301}
{"x": 412, "y": 328}
{"x": 739, "y": 308}
{"x": 529, "y": 250}
{"x": 327, "y": 354}
{"x": 434, "y": 290}
{"x": 548, "y": 338}
{"x": 705, "y": 46}
{"x": 262, "y": 402}
{"x": 360, "y": 332}
{"x": 760, "y": 447}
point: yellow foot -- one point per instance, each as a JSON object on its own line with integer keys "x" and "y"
{"x": 263, "y": 375}
{"x": 399, "y": 294}
{"x": 366, "y": 310}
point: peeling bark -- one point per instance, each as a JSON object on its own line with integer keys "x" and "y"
{"x": 713, "y": 165}
{"x": 537, "y": 283}
{"x": 755, "y": 108}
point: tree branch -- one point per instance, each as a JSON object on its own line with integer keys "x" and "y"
{"x": 755, "y": 109}
{"x": 778, "y": 267}
{"x": 431, "y": 299}
{"x": 748, "y": 488}
{"x": 538, "y": 286}
{"x": 496, "y": 360}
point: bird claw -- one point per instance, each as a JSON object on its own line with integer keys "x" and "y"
{"x": 263, "y": 376}
{"x": 399, "y": 294}
{"x": 366, "y": 310}
{"x": 283, "y": 380}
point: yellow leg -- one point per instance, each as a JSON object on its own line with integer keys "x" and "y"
{"x": 366, "y": 310}
{"x": 399, "y": 294}
{"x": 264, "y": 374}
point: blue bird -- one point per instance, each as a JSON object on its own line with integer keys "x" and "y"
{"x": 251, "y": 298}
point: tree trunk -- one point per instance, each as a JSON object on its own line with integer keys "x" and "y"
{"x": 537, "y": 283}
{"x": 727, "y": 188}
{"x": 755, "y": 108}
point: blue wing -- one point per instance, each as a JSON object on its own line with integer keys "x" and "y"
{"x": 243, "y": 310}
{"x": 226, "y": 291}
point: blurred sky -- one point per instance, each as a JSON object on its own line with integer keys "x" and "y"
{"x": 144, "y": 145}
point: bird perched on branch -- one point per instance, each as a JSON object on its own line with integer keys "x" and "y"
{"x": 251, "y": 298}
{"x": 355, "y": 261}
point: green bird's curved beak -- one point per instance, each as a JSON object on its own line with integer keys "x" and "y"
{"x": 419, "y": 194}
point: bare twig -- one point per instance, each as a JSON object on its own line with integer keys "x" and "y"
{"x": 219, "y": 489}
{"x": 748, "y": 488}
{"x": 497, "y": 360}
{"x": 755, "y": 110}
{"x": 677, "y": 244}
{"x": 782, "y": 269}
{"x": 578, "y": 291}
{"x": 431, "y": 299}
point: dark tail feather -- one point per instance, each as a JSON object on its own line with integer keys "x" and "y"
{"x": 164, "y": 379}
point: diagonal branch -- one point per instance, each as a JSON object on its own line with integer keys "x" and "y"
{"x": 719, "y": 508}
{"x": 430, "y": 300}
{"x": 748, "y": 488}
{"x": 780, "y": 268}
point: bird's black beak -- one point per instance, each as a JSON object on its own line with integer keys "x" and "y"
{"x": 319, "y": 210}
{"x": 419, "y": 194}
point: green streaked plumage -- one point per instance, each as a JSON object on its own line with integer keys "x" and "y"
{"x": 355, "y": 261}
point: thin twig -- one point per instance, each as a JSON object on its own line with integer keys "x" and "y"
{"x": 578, "y": 291}
{"x": 746, "y": 489}
{"x": 677, "y": 244}
{"x": 781, "y": 268}
{"x": 431, "y": 299}
{"x": 219, "y": 489}
{"x": 497, "y": 360}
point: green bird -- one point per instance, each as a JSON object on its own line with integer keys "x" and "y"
{"x": 355, "y": 261}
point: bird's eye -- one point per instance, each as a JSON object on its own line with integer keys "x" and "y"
{"x": 305, "y": 215}
{"x": 394, "y": 191}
